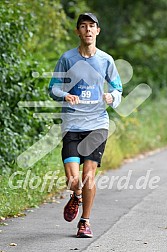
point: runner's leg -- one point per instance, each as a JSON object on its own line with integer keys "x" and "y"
{"x": 89, "y": 188}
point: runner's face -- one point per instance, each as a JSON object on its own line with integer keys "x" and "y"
{"x": 87, "y": 32}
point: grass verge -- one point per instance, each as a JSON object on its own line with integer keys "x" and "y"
{"x": 142, "y": 131}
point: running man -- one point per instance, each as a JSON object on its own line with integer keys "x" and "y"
{"x": 78, "y": 84}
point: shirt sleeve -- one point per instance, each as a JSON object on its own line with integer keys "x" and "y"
{"x": 57, "y": 82}
{"x": 114, "y": 83}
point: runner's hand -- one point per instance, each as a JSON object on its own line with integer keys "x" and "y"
{"x": 73, "y": 99}
{"x": 108, "y": 98}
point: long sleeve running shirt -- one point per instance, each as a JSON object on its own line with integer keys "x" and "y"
{"x": 88, "y": 78}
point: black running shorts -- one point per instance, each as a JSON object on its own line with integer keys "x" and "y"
{"x": 81, "y": 146}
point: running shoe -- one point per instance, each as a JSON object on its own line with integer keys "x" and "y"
{"x": 84, "y": 230}
{"x": 71, "y": 210}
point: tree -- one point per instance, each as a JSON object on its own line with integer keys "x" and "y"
{"x": 33, "y": 36}
{"x": 136, "y": 31}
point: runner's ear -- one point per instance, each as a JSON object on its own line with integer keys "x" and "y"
{"x": 98, "y": 30}
{"x": 77, "y": 32}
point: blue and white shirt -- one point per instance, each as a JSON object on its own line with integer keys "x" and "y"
{"x": 88, "y": 78}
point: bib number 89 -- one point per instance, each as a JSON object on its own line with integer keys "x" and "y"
{"x": 86, "y": 94}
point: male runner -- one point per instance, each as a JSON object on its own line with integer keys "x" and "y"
{"x": 83, "y": 72}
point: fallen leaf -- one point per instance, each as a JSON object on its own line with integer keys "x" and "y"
{"x": 53, "y": 201}
{"x": 3, "y": 224}
{"x": 13, "y": 244}
{"x": 30, "y": 210}
{"x": 21, "y": 214}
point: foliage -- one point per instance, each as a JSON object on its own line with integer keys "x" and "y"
{"x": 51, "y": 37}
{"x": 33, "y": 37}
{"x": 136, "y": 32}
{"x": 133, "y": 135}
{"x": 16, "y": 83}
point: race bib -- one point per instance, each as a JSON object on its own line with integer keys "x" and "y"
{"x": 89, "y": 94}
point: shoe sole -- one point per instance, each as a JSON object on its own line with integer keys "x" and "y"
{"x": 85, "y": 236}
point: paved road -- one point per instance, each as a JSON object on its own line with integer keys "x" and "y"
{"x": 129, "y": 214}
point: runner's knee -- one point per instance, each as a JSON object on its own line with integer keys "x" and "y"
{"x": 73, "y": 183}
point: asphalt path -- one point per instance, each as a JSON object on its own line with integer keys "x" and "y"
{"x": 129, "y": 214}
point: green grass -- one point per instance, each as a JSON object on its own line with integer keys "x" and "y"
{"x": 29, "y": 187}
{"x": 144, "y": 130}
